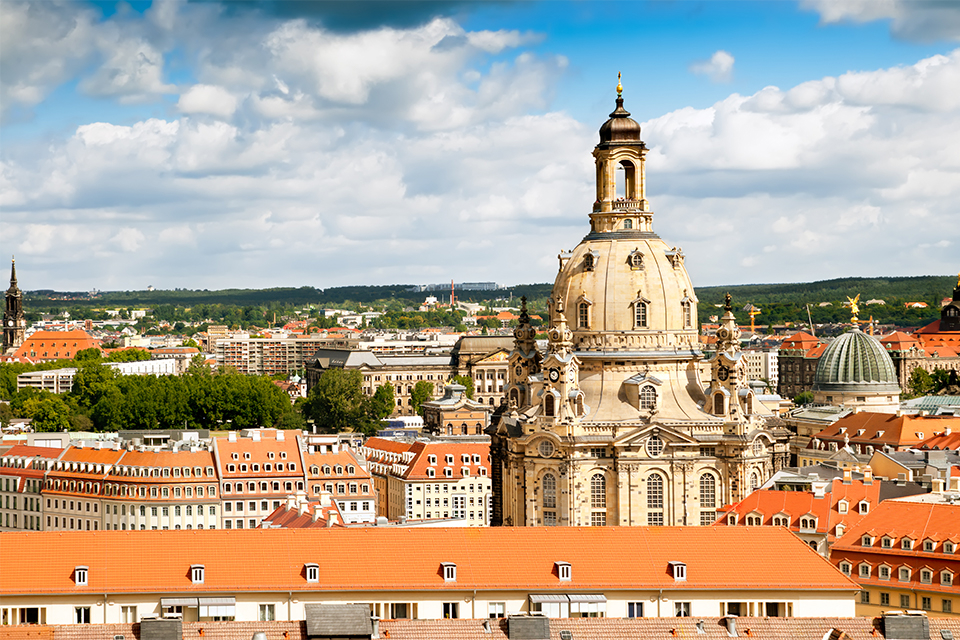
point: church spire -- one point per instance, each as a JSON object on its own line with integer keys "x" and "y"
{"x": 13, "y": 272}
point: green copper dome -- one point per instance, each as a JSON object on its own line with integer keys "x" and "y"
{"x": 856, "y": 362}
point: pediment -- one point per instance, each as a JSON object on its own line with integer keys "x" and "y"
{"x": 500, "y": 355}
{"x": 639, "y": 436}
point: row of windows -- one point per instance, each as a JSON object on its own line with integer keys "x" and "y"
{"x": 640, "y": 314}
{"x": 904, "y": 574}
{"x": 255, "y": 467}
{"x": 263, "y": 487}
{"x": 926, "y": 603}
{"x": 906, "y": 543}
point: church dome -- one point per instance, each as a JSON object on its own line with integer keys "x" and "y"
{"x": 620, "y": 127}
{"x": 856, "y": 362}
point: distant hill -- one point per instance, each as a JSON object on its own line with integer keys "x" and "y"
{"x": 780, "y": 303}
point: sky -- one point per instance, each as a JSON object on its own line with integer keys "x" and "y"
{"x": 256, "y": 143}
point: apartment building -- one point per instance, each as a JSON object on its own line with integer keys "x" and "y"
{"x": 904, "y": 555}
{"x": 22, "y": 470}
{"x": 427, "y": 480}
{"x": 257, "y": 469}
{"x": 342, "y": 476}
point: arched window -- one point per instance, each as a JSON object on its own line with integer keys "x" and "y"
{"x": 648, "y": 397}
{"x": 579, "y": 405}
{"x": 686, "y": 308}
{"x": 636, "y": 260}
{"x": 628, "y": 224}
{"x": 549, "y": 491}
{"x": 583, "y": 315}
{"x": 588, "y": 262}
{"x": 708, "y": 491}
{"x": 598, "y": 491}
{"x": 655, "y": 491}
{"x": 515, "y": 397}
{"x": 640, "y": 312}
{"x": 718, "y": 404}
{"x": 754, "y": 481}
{"x": 549, "y": 405}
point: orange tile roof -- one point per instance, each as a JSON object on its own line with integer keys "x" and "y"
{"x": 899, "y": 341}
{"x": 769, "y": 503}
{"x": 887, "y": 428}
{"x": 65, "y": 344}
{"x": 391, "y": 446}
{"x": 23, "y": 450}
{"x": 417, "y": 469}
{"x": 601, "y": 558}
{"x": 898, "y": 519}
{"x": 259, "y": 453}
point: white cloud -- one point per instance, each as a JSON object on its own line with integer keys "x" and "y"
{"x": 205, "y": 98}
{"x": 837, "y": 168}
{"x": 920, "y": 20}
{"x": 128, "y": 239}
{"x": 719, "y": 68}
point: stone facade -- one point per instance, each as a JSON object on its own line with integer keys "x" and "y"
{"x": 612, "y": 425}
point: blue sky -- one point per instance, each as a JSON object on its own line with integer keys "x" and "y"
{"x": 253, "y": 144}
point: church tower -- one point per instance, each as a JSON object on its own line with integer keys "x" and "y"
{"x": 611, "y": 426}
{"x": 14, "y": 325}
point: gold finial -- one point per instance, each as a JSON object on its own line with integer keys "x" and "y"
{"x": 619, "y": 85}
{"x": 854, "y": 308}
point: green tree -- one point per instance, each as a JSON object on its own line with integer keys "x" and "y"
{"x": 382, "y": 402}
{"x": 86, "y": 355}
{"x": 48, "y": 412}
{"x": 336, "y": 403}
{"x": 940, "y": 379}
{"x": 802, "y": 398}
{"x": 129, "y": 355}
{"x": 91, "y": 382}
{"x": 920, "y": 382}
{"x": 467, "y": 382}
{"x": 422, "y": 392}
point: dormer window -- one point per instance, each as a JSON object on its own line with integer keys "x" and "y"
{"x": 312, "y": 571}
{"x": 449, "y": 571}
{"x": 589, "y": 261}
{"x": 447, "y": 472}
{"x": 431, "y": 459}
{"x": 196, "y": 573}
{"x": 886, "y": 542}
{"x": 949, "y": 547}
{"x": 929, "y": 546}
{"x": 449, "y": 458}
{"x": 246, "y": 455}
{"x": 564, "y": 570}
{"x": 946, "y": 578}
{"x": 866, "y": 541}
{"x": 864, "y": 507}
{"x": 731, "y": 519}
{"x": 235, "y": 456}
{"x": 845, "y": 568}
{"x": 635, "y": 260}
{"x": 80, "y": 576}
{"x": 906, "y": 544}
{"x": 842, "y": 506}
{"x": 678, "y": 570}
{"x": 431, "y": 472}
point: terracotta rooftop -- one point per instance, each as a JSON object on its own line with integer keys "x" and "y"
{"x": 879, "y": 429}
{"x": 601, "y": 558}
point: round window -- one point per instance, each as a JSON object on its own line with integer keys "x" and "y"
{"x": 654, "y": 446}
{"x": 546, "y": 448}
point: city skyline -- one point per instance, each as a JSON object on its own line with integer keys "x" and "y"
{"x": 216, "y": 145}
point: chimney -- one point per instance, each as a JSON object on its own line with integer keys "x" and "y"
{"x": 317, "y": 512}
{"x": 868, "y": 476}
{"x": 375, "y": 622}
{"x": 954, "y": 483}
{"x": 937, "y": 485}
{"x": 255, "y": 435}
{"x": 731, "y": 623}
{"x": 332, "y": 519}
{"x": 232, "y": 436}
{"x": 302, "y": 508}
{"x": 280, "y": 436}
{"x": 847, "y": 476}
{"x": 291, "y": 502}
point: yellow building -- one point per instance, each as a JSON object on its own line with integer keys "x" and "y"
{"x": 612, "y": 426}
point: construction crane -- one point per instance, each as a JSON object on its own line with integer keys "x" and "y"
{"x": 754, "y": 312}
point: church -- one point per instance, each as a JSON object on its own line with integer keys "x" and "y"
{"x": 612, "y": 425}
{"x": 14, "y": 324}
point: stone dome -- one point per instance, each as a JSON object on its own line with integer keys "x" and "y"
{"x": 620, "y": 127}
{"x": 856, "y": 362}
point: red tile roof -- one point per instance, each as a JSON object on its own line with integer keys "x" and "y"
{"x": 879, "y": 429}
{"x": 768, "y": 503}
{"x": 417, "y": 469}
{"x": 601, "y": 558}
{"x": 56, "y": 345}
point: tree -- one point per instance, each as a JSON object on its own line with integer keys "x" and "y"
{"x": 336, "y": 403}
{"x": 802, "y": 398}
{"x": 422, "y": 392}
{"x": 382, "y": 402}
{"x": 920, "y": 382}
{"x": 129, "y": 355}
{"x": 467, "y": 382}
{"x": 47, "y": 411}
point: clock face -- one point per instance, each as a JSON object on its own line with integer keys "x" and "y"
{"x": 554, "y": 375}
